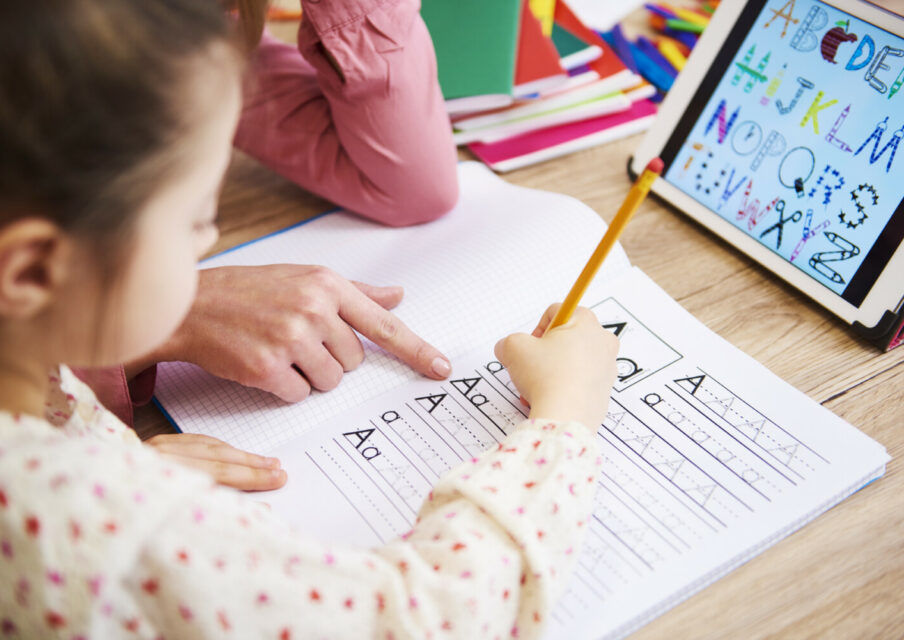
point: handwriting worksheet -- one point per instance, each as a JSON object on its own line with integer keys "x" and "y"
{"x": 707, "y": 459}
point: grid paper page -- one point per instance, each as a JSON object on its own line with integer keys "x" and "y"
{"x": 492, "y": 263}
{"x": 708, "y": 458}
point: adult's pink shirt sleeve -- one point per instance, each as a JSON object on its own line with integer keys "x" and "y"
{"x": 355, "y": 113}
{"x": 118, "y": 394}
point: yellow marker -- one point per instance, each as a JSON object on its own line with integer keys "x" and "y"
{"x": 671, "y": 53}
{"x": 544, "y": 10}
{"x": 635, "y": 196}
{"x": 690, "y": 16}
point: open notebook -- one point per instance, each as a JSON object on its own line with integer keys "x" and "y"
{"x": 709, "y": 457}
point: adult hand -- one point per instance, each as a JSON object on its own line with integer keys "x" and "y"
{"x": 565, "y": 373}
{"x": 288, "y": 328}
{"x": 228, "y": 466}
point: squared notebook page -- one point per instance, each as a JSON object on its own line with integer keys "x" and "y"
{"x": 495, "y": 262}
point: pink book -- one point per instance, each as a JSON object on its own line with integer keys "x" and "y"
{"x": 545, "y": 144}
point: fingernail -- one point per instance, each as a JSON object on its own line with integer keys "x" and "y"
{"x": 441, "y": 367}
{"x": 277, "y": 474}
{"x": 273, "y": 463}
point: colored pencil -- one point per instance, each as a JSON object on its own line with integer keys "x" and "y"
{"x": 691, "y": 16}
{"x": 660, "y": 11}
{"x": 651, "y": 71}
{"x": 669, "y": 50}
{"x": 647, "y": 46}
{"x": 622, "y": 48}
{"x": 682, "y": 47}
{"x": 684, "y": 25}
{"x": 689, "y": 40}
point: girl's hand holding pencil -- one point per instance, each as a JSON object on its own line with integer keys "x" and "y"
{"x": 567, "y": 373}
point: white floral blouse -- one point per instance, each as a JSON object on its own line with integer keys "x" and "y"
{"x": 101, "y": 537}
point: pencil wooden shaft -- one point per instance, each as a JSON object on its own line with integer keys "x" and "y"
{"x": 629, "y": 206}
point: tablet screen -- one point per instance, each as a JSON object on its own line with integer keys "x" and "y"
{"x": 793, "y": 138}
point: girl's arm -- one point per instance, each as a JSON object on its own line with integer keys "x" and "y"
{"x": 359, "y": 119}
{"x": 493, "y": 547}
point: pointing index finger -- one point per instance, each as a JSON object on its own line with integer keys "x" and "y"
{"x": 386, "y": 330}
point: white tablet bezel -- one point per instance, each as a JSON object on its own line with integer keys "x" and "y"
{"x": 887, "y": 293}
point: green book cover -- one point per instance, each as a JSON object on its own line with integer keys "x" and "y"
{"x": 475, "y": 42}
{"x": 566, "y": 43}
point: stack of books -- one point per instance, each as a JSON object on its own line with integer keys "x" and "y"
{"x": 526, "y": 80}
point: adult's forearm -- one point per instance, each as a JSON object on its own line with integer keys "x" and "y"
{"x": 359, "y": 119}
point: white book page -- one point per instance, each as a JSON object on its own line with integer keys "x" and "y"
{"x": 494, "y": 262}
{"x": 602, "y": 15}
{"x": 709, "y": 458}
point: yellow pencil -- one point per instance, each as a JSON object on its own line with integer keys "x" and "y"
{"x": 635, "y": 196}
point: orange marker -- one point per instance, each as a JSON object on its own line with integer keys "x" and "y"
{"x": 635, "y": 196}
{"x": 281, "y": 15}
{"x": 657, "y": 22}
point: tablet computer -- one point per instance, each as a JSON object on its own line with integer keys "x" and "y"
{"x": 782, "y": 136}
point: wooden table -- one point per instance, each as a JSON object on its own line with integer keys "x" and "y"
{"x": 842, "y": 576}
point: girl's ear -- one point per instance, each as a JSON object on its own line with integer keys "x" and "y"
{"x": 34, "y": 263}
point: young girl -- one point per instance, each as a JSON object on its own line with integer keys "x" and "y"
{"x": 111, "y": 152}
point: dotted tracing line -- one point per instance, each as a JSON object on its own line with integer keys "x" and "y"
{"x": 502, "y": 412}
{"x": 638, "y": 490}
{"x": 576, "y": 596}
{"x": 597, "y": 555}
{"x": 608, "y": 517}
{"x": 464, "y": 426}
{"x": 499, "y": 412}
{"x": 680, "y": 471}
{"x": 417, "y": 452}
{"x": 401, "y": 476}
{"x": 717, "y": 441}
{"x": 762, "y": 432}
{"x": 360, "y": 490}
{"x": 505, "y": 380}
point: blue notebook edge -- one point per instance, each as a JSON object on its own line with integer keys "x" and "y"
{"x": 271, "y": 234}
{"x": 166, "y": 414}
